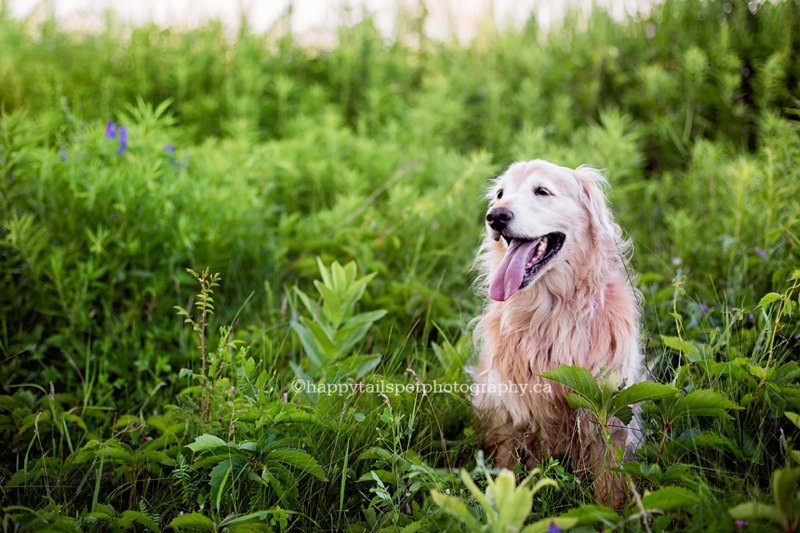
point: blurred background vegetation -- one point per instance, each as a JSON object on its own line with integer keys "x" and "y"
{"x": 255, "y": 155}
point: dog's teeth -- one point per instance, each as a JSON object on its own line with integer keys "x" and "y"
{"x": 538, "y": 252}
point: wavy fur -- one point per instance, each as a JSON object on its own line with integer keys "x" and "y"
{"x": 580, "y": 310}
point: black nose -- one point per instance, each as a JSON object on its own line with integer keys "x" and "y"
{"x": 499, "y": 217}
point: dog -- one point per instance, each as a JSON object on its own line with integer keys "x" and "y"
{"x": 554, "y": 264}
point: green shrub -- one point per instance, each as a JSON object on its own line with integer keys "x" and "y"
{"x": 273, "y": 163}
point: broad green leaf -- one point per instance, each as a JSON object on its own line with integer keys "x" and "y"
{"x": 248, "y": 446}
{"x": 576, "y": 401}
{"x": 332, "y": 306}
{"x": 300, "y": 460}
{"x": 784, "y": 485}
{"x": 542, "y": 483}
{"x": 676, "y": 472}
{"x": 473, "y": 488}
{"x": 338, "y": 275}
{"x": 268, "y": 478}
{"x": 206, "y": 441}
{"x": 99, "y": 515}
{"x": 769, "y": 298}
{"x": 212, "y": 459}
{"x": 543, "y": 526}
{"x": 323, "y": 272}
{"x": 456, "y": 508}
{"x": 193, "y": 521}
{"x": 668, "y": 498}
{"x": 756, "y": 511}
{"x": 794, "y": 417}
{"x": 360, "y": 365}
{"x": 115, "y": 453}
{"x": 347, "y": 338}
{"x": 313, "y": 353}
{"x": 219, "y": 479}
{"x": 129, "y": 518}
{"x": 704, "y": 402}
{"x": 592, "y": 514}
{"x": 384, "y": 475}
{"x": 324, "y": 341}
{"x": 578, "y": 379}
{"x": 375, "y": 453}
{"x": 702, "y": 439}
{"x": 75, "y": 419}
{"x": 255, "y": 517}
{"x": 623, "y": 413}
{"x": 679, "y": 345}
{"x": 415, "y": 526}
{"x": 643, "y": 392}
{"x": 364, "y": 318}
{"x": 309, "y": 305}
{"x": 757, "y": 371}
{"x": 512, "y": 503}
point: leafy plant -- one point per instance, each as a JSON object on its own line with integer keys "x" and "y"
{"x": 605, "y": 400}
{"x": 205, "y": 307}
{"x": 505, "y": 506}
{"x": 785, "y": 512}
{"x": 332, "y": 330}
{"x": 264, "y": 461}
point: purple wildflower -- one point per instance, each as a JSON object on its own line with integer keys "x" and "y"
{"x": 292, "y": 316}
{"x": 761, "y": 253}
{"x": 553, "y": 528}
{"x": 230, "y": 392}
{"x": 676, "y": 261}
{"x": 751, "y": 318}
{"x": 62, "y": 155}
{"x": 741, "y": 524}
{"x": 123, "y": 140}
{"x": 797, "y": 337}
{"x": 704, "y": 308}
{"x": 285, "y": 397}
{"x": 111, "y": 130}
{"x": 170, "y": 148}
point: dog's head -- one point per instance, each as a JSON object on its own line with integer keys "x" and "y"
{"x": 541, "y": 215}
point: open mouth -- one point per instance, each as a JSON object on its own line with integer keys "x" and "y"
{"x": 524, "y": 259}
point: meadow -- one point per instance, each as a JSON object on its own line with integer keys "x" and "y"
{"x": 197, "y": 227}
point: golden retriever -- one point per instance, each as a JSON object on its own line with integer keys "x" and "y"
{"x": 554, "y": 265}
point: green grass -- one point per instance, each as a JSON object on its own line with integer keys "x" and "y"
{"x": 259, "y": 158}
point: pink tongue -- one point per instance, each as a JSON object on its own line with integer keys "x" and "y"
{"x": 509, "y": 274}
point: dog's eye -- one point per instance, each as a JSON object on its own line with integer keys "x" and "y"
{"x": 499, "y": 194}
{"x": 541, "y": 191}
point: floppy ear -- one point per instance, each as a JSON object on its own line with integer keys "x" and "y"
{"x": 594, "y": 202}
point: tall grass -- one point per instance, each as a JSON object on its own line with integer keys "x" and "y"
{"x": 256, "y": 156}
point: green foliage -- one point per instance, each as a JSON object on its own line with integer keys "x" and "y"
{"x": 505, "y": 505}
{"x": 604, "y": 399}
{"x": 332, "y": 330}
{"x": 785, "y": 511}
{"x": 277, "y": 163}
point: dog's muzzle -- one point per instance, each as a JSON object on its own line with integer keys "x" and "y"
{"x": 499, "y": 218}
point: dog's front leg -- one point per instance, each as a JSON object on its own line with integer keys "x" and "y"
{"x": 594, "y": 457}
{"x": 499, "y": 442}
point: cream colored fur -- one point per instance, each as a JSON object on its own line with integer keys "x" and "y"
{"x": 579, "y": 310}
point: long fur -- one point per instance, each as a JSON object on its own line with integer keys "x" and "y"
{"x": 582, "y": 310}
